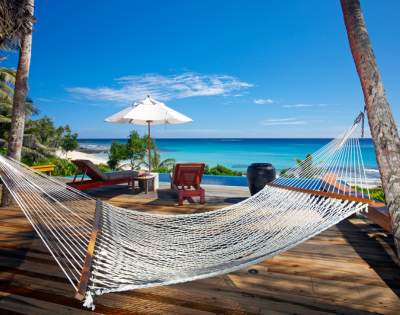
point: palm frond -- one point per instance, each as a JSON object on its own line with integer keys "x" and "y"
{"x": 16, "y": 19}
{"x": 30, "y": 108}
{"x": 5, "y": 119}
{"x": 7, "y": 75}
{"x": 167, "y": 163}
{"x": 33, "y": 153}
{"x": 5, "y": 106}
{"x": 6, "y": 90}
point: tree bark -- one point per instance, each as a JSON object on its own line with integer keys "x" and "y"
{"x": 20, "y": 93}
{"x": 383, "y": 127}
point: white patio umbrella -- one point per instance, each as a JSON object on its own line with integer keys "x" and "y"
{"x": 147, "y": 112}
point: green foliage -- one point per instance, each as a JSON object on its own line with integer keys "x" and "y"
{"x": 16, "y": 22}
{"x": 45, "y": 132}
{"x": 376, "y": 193}
{"x": 62, "y": 167}
{"x": 104, "y": 168}
{"x": 305, "y": 166}
{"x": 3, "y": 151}
{"x": 136, "y": 149}
{"x": 69, "y": 141}
{"x": 118, "y": 152}
{"x": 7, "y": 81}
{"x": 164, "y": 166}
{"x": 221, "y": 170}
{"x": 283, "y": 172}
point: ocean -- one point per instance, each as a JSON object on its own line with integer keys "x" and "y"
{"x": 237, "y": 153}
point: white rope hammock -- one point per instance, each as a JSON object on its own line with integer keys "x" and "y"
{"x": 102, "y": 248}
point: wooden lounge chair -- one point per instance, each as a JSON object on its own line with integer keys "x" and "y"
{"x": 186, "y": 179}
{"x": 98, "y": 178}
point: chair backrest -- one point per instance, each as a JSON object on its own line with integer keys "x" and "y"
{"x": 91, "y": 170}
{"x": 188, "y": 174}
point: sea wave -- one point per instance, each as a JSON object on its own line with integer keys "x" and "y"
{"x": 372, "y": 170}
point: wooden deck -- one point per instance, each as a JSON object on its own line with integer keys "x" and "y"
{"x": 349, "y": 269}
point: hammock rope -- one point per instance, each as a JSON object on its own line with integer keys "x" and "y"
{"x": 102, "y": 248}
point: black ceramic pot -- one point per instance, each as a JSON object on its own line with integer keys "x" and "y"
{"x": 258, "y": 175}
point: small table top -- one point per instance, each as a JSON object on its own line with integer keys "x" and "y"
{"x": 144, "y": 177}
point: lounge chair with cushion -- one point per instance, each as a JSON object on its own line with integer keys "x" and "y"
{"x": 186, "y": 179}
{"x": 97, "y": 177}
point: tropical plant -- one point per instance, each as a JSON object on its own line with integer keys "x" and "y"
{"x": 136, "y": 149}
{"x": 46, "y": 132}
{"x": 305, "y": 166}
{"x": 69, "y": 141}
{"x": 158, "y": 165}
{"x": 15, "y": 22}
{"x": 104, "y": 168}
{"x": 221, "y": 170}
{"x": 7, "y": 81}
{"x": 62, "y": 167}
{"x": 16, "y": 32}
{"x": 375, "y": 193}
{"x": 117, "y": 153}
{"x": 381, "y": 121}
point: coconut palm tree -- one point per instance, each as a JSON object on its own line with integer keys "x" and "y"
{"x": 16, "y": 31}
{"x": 16, "y": 21}
{"x": 383, "y": 127}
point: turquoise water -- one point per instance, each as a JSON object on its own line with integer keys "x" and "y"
{"x": 239, "y": 153}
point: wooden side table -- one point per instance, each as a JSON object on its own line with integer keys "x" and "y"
{"x": 147, "y": 182}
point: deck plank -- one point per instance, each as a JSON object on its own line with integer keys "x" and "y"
{"x": 348, "y": 269}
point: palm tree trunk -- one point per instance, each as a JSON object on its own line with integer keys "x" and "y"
{"x": 20, "y": 93}
{"x": 383, "y": 127}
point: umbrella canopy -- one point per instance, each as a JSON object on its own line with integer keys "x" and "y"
{"x": 148, "y": 110}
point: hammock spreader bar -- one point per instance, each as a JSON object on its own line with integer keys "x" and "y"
{"x": 87, "y": 266}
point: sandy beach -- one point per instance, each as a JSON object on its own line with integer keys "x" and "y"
{"x": 76, "y": 155}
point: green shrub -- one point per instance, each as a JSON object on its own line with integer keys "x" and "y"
{"x": 69, "y": 141}
{"x": 375, "y": 193}
{"x": 118, "y": 152}
{"x": 378, "y": 194}
{"x": 104, "y": 168}
{"x": 3, "y": 151}
{"x": 221, "y": 170}
{"x": 62, "y": 167}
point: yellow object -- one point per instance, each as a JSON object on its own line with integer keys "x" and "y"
{"x": 44, "y": 168}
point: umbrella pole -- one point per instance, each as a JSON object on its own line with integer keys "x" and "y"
{"x": 148, "y": 144}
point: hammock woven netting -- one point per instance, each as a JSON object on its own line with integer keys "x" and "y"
{"x": 102, "y": 248}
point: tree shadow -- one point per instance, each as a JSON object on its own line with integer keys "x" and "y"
{"x": 14, "y": 247}
{"x": 376, "y": 248}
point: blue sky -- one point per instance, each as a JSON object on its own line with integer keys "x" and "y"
{"x": 237, "y": 68}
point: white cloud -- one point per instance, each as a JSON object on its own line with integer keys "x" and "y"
{"x": 298, "y": 105}
{"x": 163, "y": 87}
{"x": 304, "y": 105}
{"x": 283, "y": 122}
{"x": 263, "y": 101}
